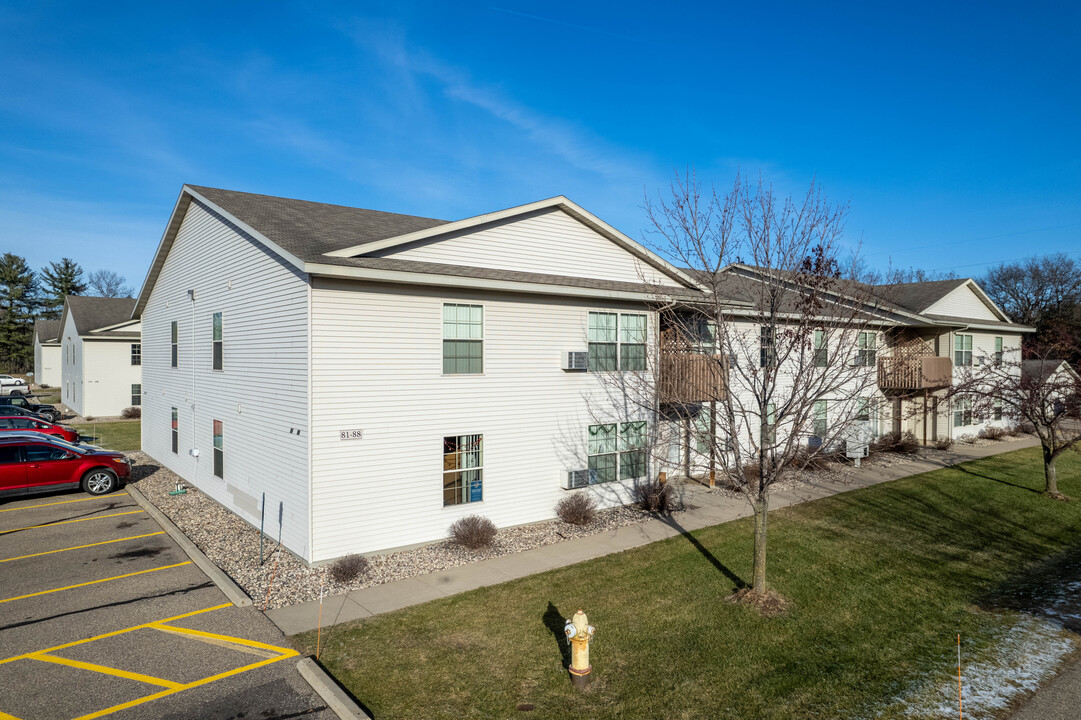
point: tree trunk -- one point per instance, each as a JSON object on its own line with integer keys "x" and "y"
{"x": 1050, "y": 474}
{"x": 761, "y": 506}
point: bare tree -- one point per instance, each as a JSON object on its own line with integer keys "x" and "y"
{"x": 106, "y": 283}
{"x": 782, "y": 320}
{"x": 1041, "y": 392}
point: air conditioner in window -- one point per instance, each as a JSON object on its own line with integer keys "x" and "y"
{"x": 576, "y": 479}
{"x": 576, "y": 360}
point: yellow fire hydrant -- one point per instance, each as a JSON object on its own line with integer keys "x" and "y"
{"x": 579, "y": 635}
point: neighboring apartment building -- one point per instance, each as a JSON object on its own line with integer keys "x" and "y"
{"x": 371, "y": 377}
{"x": 101, "y": 356}
{"x": 47, "y": 353}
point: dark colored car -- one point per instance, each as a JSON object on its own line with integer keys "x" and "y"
{"x": 17, "y": 423}
{"x": 14, "y": 410}
{"x": 49, "y": 412}
{"x": 31, "y": 465}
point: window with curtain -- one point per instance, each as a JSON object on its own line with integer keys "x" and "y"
{"x": 219, "y": 449}
{"x": 632, "y": 450}
{"x": 821, "y": 353}
{"x": 603, "y": 444}
{"x": 866, "y": 349}
{"x": 962, "y": 350}
{"x": 463, "y": 339}
{"x": 463, "y": 469}
{"x": 218, "y": 350}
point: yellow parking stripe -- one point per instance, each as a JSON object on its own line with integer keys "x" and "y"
{"x": 5, "y": 716}
{"x": 61, "y": 502}
{"x": 66, "y": 522}
{"x": 80, "y": 547}
{"x": 215, "y": 636}
{"x": 93, "y": 667}
{"x": 93, "y": 582}
{"x": 114, "y": 633}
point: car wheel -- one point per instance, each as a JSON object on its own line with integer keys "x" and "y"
{"x": 99, "y": 481}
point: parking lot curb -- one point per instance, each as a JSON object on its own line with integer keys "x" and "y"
{"x": 225, "y": 583}
{"x": 332, "y": 694}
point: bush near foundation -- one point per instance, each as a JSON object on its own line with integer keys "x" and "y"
{"x": 993, "y": 433}
{"x": 943, "y": 443}
{"x": 348, "y": 568}
{"x": 473, "y": 531}
{"x": 130, "y": 413}
{"x": 906, "y": 444}
{"x": 577, "y": 509}
{"x": 653, "y": 496}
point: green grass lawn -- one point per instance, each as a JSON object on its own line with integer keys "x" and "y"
{"x": 113, "y": 435}
{"x": 881, "y": 582}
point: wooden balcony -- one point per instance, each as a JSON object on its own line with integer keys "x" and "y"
{"x": 914, "y": 373}
{"x": 689, "y": 377}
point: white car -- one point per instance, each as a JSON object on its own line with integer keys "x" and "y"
{"x": 12, "y": 385}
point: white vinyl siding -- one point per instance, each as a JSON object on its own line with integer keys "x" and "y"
{"x": 260, "y": 395}
{"x": 962, "y": 302}
{"x": 550, "y": 243}
{"x": 47, "y": 362}
{"x": 375, "y": 366}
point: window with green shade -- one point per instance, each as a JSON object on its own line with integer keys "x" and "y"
{"x": 632, "y": 450}
{"x": 603, "y": 453}
{"x": 866, "y": 349}
{"x": 173, "y": 344}
{"x": 820, "y": 418}
{"x": 463, "y": 469}
{"x": 219, "y": 449}
{"x": 463, "y": 339}
{"x": 218, "y": 349}
{"x": 136, "y": 394}
{"x": 603, "y": 342}
{"x": 998, "y": 351}
{"x": 632, "y": 342}
{"x": 962, "y": 350}
{"x": 962, "y": 412}
{"x": 702, "y": 434}
{"x": 821, "y": 353}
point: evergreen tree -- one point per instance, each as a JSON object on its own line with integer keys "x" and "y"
{"x": 60, "y": 280}
{"x": 18, "y": 303}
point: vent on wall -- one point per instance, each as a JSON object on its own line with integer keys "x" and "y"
{"x": 576, "y": 360}
{"x": 576, "y": 479}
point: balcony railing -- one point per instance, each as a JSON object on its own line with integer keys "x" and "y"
{"x": 914, "y": 373}
{"x": 689, "y": 377}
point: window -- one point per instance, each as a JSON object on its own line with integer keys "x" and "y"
{"x": 821, "y": 353}
{"x": 136, "y": 394}
{"x": 769, "y": 427}
{"x": 219, "y": 449}
{"x": 998, "y": 351}
{"x": 463, "y": 469}
{"x": 172, "y": 340}
{"x": 217, "y": 362}
{"x": 962, "y": 411}
{"x": 463, "y": 339}
{"x": 962, "y": 350}
{"x": 704, "y": 337}
{"x": 617, "y": 450}
{"x": 702, "y": 432}
{"x": 866, "y": 349}
{"x": 602, "y": 453}
{"x": 997, "y": 410}
{"x": 632, "y": 450}
{"x": 632, "y": 342}
{"x": 603, "y": 353}
{"x": 175, "y": 432}
{"x": 136, "y": 353}
{"x": 766, "y": 352}
{"x": 820, "y": 417}
{"x": 39, "y": 453}
{"x": 10, "y": 455}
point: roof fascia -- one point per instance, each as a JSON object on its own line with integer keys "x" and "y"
{"x": 434, "y": 279}
{"x": 169, "y": 236}
{"x": 559, "y": 203}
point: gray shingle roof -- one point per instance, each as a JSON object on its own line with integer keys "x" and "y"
{"x": 307, "y": 229}
{"x": 46, "y": 330}
{"x": 918, "y": 296}
{"x": 91, "y": 313}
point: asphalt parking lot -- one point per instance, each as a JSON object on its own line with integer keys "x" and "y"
{"x": 103, "y": 615}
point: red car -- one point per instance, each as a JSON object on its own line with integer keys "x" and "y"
{"x": 31, "y": 464}
{"x": 21, "y": 423}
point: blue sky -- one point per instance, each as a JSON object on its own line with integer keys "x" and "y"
{"x": 953, "y": 131}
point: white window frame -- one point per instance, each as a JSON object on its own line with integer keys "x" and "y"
{"x": 463, "y": 488}
{"x": 217, "y": 345}
{"x": 470, "y": 341}
{"x": 136, "y": 397}
{"x": 619, "y": 341}
{"x": 962, "y": 350}
{"x": 619, "y": 457}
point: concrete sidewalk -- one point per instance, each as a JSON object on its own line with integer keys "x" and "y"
{"x": 710, "y": 508}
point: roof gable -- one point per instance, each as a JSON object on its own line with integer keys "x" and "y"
{"x": 46, "y": 331}
{"x": 968, "y": 301}
{"x": 96, "y": 313}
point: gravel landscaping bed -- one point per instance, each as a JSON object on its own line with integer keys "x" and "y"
{"x": 233, "y": 545}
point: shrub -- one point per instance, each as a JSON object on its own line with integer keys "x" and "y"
{"x": 966, "y": 439}
{"x": 348, "y": 568}
{"x": 130, "y": 413}
{"x": 906, "y": 444}
{"x": 473, "y": 531}
{"x": 805, "y": 460}
{"x": 653, "y": 496}
{"x": 943, "y": 443}
{"x": 88, "y": 417}
{"x": 577, "y": 509}
{"x": 993, "y": 433}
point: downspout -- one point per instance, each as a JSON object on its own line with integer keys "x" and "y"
{"x": 194, "y": 425}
